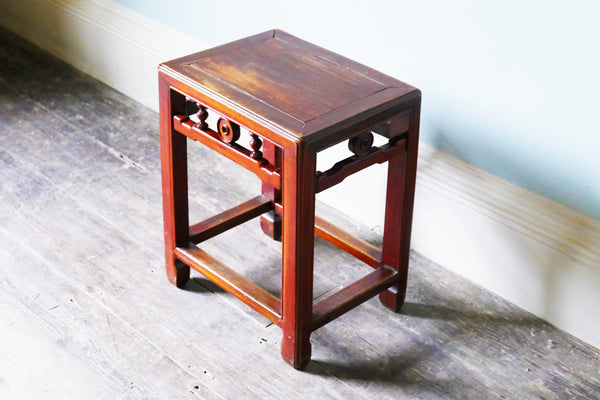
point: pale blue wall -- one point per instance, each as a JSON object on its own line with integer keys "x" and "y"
{"x": 511, "y": 87}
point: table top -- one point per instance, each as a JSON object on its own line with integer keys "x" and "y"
{"x": 295, "y": 85}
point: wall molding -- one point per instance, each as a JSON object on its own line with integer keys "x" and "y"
{"x": 104, "y": 39}
{"x": 536, "y": 253}
{"x": 521, "y": 210}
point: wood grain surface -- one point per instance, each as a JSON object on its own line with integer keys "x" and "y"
{"x": 296, "y": 85}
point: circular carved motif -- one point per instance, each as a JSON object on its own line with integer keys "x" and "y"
{"x": 228, "y": 131}
{"x": 361, "y": 143}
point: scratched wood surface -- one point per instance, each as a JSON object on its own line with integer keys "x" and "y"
{"x": 87, "y": 312}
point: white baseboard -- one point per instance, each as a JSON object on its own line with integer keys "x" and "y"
{"x": 105, "y": 39}
{"x": 530, "y": 250}
{"x": 534, "y": 252}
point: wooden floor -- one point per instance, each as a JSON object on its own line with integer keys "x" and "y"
{"x": 86, "y": 311}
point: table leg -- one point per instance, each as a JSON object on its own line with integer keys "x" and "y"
{"x": 299, "y": 168}
{"x": 398, "y": 214}
{"x": 173, "y": 155}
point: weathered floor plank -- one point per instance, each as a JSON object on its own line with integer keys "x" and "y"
{"x": 87, "y": 312}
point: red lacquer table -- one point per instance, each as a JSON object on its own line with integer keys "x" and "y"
{"x": 295, "y": 99}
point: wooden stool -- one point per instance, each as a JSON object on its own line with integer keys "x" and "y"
{"x": 295, "y": 99}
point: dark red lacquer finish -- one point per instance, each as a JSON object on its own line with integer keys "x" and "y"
{"x": 295, "y": 99}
